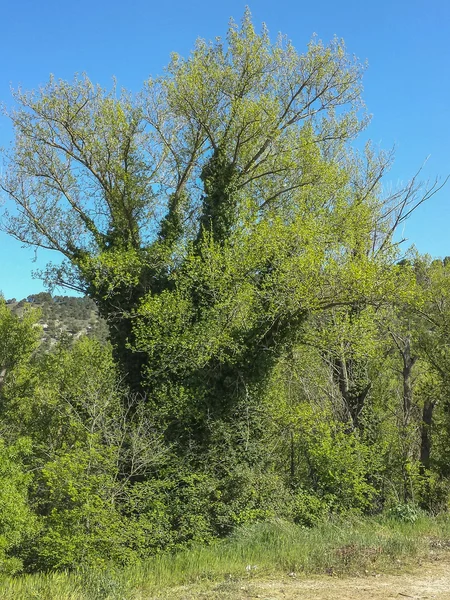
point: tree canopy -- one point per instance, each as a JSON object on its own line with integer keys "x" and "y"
{"x": 225, "y": 195}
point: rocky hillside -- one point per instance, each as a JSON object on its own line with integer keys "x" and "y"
{"x": 63, "y": 317}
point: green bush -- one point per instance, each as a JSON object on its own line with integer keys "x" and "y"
{"x": 18, "y": 524}
{"x": 82, "y": 523}
{"x": 309, "y": 510}
{"x": 335, "y": 466}
{"x": 405, "y": 512}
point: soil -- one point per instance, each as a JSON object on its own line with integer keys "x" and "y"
{"x": 430, "y": 580}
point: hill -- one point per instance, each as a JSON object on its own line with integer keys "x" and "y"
{"x": 63, "y": 317}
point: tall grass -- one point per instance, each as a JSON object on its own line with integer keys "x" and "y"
{"x": 265, "y": 549}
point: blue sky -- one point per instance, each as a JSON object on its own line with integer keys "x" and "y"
{"x": 407, "y": 83}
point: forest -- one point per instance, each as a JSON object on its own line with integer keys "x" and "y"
{"x": 253, "y": 341}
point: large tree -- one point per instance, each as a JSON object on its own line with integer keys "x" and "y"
{"x": 209, "y": 213}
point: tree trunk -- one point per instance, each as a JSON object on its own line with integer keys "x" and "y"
{"x": 354, "y": 389}
{"x": 408, "y": 364}
{"x": 425, "y": 431}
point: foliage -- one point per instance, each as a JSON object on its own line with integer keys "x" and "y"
{"x": 225, "y": 192}
{"x": 18, "y": 523}
{"x": 261, "y": 551}
{"x": 18, "y": 339}
{"x": 408, "y": 513}
{"x": 270, "y": 355}
{"x": 62, "y": 317}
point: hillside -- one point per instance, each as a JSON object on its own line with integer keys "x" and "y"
{"x": 63, "y": 317}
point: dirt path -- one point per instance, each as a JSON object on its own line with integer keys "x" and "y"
{"x": 430, "y": 581}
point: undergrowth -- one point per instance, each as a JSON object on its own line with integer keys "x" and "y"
{"x": 263, "y": 550}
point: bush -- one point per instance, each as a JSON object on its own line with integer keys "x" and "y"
{"x": 335, "y": 466}
{"x": 406, "y": 512}
{"x": 18, "y": 524}
{"x": 309, "y": 510}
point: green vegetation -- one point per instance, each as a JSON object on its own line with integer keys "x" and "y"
{"x": 264, "y": 550}
{"x": 274, "y": 363}
{"x": 62, "y": 317}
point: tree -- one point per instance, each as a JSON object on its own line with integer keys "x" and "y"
{"x": 224, "y": 195}
{"x": 433, "y": 347}
{"x": 18, "y": 338}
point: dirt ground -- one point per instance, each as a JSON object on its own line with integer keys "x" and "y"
{"x": 430, "y": 580}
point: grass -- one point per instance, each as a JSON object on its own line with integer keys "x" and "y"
{"x": 263, "y": 550}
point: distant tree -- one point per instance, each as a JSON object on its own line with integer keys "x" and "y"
{"x": 19, "y": 336}
{"x": 41, "y": 298}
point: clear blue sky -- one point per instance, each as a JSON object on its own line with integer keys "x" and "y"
{"x": 407, "y": 84}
